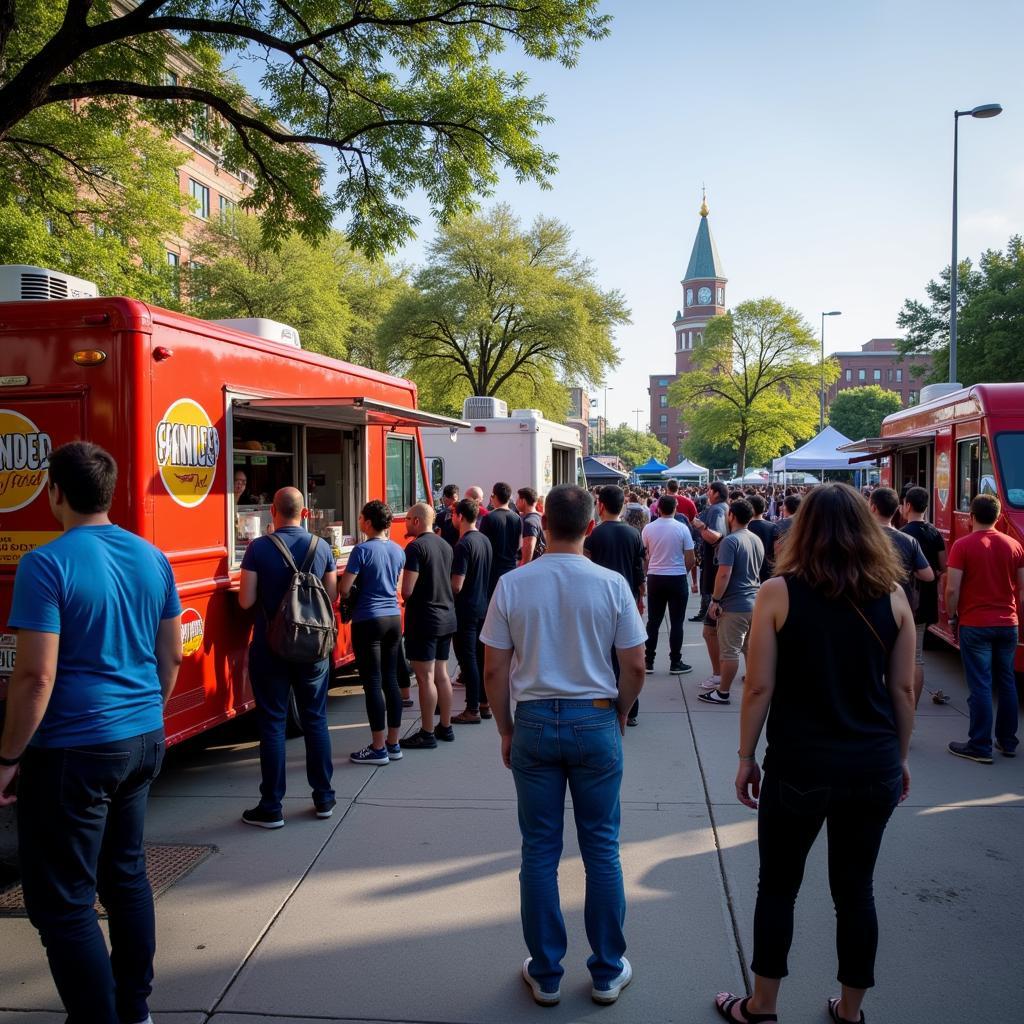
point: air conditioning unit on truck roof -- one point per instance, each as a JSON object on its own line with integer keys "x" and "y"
{"x": 21, "y": 283}
{"x": 484, "y": 407}
{"x": 261, "y": 327}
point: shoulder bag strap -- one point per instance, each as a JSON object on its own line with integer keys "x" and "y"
{"x": 283, "y": 548}
{"x": 867, "y": 622}
{"x": 307, "y": 562}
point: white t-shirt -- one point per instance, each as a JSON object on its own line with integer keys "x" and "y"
{"x": 562, "y": 615}
{"x": 666, "y": 539}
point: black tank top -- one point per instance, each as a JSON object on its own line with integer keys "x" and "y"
{"x": 831, "y": 716}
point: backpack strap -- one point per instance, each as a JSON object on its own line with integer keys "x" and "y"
{"x": 283, "y": 548}
{"x": 307, "y": 562}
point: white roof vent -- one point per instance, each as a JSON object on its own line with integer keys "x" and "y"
{"x": 261, "y": 327}
{"x": 527, "y": 414}
{"x": 20, "y": 283}
{"x": 484, "y": 407}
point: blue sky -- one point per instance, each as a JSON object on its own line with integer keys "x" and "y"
{"x": 824, "y": 134}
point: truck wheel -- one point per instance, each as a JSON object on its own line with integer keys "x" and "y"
{"x": 293, "y": 724}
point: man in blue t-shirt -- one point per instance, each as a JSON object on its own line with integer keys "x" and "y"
{"x": 266, "y": 577}
{"x": 99, "y": 646}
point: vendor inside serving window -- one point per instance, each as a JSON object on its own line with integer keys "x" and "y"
{"x": 243, "y": 496}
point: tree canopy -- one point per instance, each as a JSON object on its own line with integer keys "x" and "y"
{"x": 505, "y": 311}
{"x": 755, "y": 381}
{"x": 990, "y": 320}
{"x": 404, "y": 95}
{"x": 632, "y": 446}
{"x": 858, "y": 412}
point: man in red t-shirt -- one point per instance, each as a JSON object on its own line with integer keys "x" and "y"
{"x": 984, "y": 594}
{"x": 684, "y": 505}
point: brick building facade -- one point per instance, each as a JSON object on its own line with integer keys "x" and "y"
{"x": 879, "y": 362}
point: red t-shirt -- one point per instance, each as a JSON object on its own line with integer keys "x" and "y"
{"x": 990, "y": 562}
{"x": 686, "y": 506}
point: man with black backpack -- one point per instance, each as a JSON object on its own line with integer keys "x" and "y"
{"x": 291, "y": 578}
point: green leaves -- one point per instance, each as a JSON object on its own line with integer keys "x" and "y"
{"x": 858, "y": 412}
{"x": 401, "y": 96}
{"x": 632, "y": 446}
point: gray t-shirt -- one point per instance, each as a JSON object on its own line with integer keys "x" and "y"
{"x": 743, "y": 551}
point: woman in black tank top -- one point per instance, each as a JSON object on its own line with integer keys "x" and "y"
{"x": 831, "y": 668}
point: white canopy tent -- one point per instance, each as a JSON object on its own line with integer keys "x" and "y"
{"x": 753, "y": 476}
{"x": 685, "y": 470}
{"x": 820, "y": 453}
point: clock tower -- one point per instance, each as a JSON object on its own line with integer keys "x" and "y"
{"x": 703, "y": 297}
{"x": 703, "y": 292}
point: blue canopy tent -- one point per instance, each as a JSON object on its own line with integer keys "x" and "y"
{"x": 650, "y": 470}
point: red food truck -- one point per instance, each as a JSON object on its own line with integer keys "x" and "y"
{"x": 205, "y": 422}
{"x": 962, "y": 443}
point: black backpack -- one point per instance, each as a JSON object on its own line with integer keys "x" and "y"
{"x": 304, "y": 628}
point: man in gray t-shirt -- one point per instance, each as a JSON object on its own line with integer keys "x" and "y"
{"x": 737, "y": 581}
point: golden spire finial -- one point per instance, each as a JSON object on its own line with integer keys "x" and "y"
{"x": 704, "y": 201}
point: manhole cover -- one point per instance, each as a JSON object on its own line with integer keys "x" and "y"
{"x": 166, "y": 863}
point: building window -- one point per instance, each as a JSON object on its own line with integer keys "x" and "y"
{"x": 911, "y": 397}
{"x": 849, "y": 376}
{"x": 889, "y": 375}
{"x": 862, "y": 375}
{"x": 201, "y": 194}
{"x": 721, "y": 296}
{"x": 877, "y": 375}
{"x": 699, "y": 336}
{"x": 689, "y": 296}
{"x": 663, "y": 419}
{"x": 899, "y": 376}
{"x": 663, "y": 438}
{"x": 662, "y": 383}
{"x": 679, "y": 340}
{"x": 228, "y": 213}
{"x": 173, "y": 260}
{"x": 662, "y": 401}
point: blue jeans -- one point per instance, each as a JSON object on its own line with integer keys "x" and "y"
{"x": 272, "y": 678}
{"x": 555, "y": 742}
{"x": 988, "y": 653}
{"x": 80, "y": 821}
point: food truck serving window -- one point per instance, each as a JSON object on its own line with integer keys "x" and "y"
{"x": 401, "y": 471}
{"x": 1010, "y": 449}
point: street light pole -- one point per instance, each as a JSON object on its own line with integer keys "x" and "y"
{"x": 604, "y": 431}
{"x": 985, "y": 110}
{"x": 821, "y": 415}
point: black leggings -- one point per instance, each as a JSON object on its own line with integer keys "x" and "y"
{"x": 376, "y": 646}
{"x": 790, "y": 816}
{"x": 467, "y": 650}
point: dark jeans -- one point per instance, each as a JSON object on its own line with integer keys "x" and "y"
{"x": 81, "y": 812}
{"x": 790, "y": 815}
{"x": 377, "y": 646}
{"x": 666, "y": 592}
{"x": 987, "y": 653}
{"x": 467, "y": 645}
{"x": 272, "y": 678}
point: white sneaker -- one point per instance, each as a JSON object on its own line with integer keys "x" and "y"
{"x": 711, "y": 683}
{"x": 540, "y": 997}
{"x": 607, "y": 996}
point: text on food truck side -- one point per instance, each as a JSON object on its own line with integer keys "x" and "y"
{"x": 187, "y": 444}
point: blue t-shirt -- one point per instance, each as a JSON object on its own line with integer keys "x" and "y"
{"x": 104, "y": 592}
{"x": 378, "y": 564}
{"x": 274, "y": 575}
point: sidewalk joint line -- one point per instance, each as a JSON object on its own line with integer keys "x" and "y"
{"x": 718, "y": 849}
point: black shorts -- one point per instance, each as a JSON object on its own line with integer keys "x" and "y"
{"x": 427, "y": 647}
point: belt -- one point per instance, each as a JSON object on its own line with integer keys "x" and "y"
{"x": 560, "y": 702}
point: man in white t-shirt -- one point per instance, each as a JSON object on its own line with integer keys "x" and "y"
{"x": 668, "y": 544}
{"x": 568, "y": 725}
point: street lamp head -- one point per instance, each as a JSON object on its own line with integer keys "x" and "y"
{"x": 987, "y": 110}
{"x": 835, "y": 312}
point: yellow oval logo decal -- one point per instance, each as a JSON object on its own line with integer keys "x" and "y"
{"x": 187, "y": 452}
{"x": 191, "y": 631}
{"x": 24, "y": 458}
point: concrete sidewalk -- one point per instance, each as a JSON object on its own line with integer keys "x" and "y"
{"x": 404, "y": 905}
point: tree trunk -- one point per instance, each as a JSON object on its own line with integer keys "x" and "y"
{"x": 741, "y": 455}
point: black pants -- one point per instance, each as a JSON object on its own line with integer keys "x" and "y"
{"x": 790, "y": 815}
{"x": 376, "y": 643}
{"x": 80, "y": 821}
{"x": 666, "y": 592}
{"x": 467, "y": 650}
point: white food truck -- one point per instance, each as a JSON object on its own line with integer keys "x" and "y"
{"x": 523, "y": 449}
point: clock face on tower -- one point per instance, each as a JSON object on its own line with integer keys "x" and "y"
{"x": 704, "y": 296}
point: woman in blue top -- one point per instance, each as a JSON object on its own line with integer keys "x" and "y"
{"x": 377, "y": 630}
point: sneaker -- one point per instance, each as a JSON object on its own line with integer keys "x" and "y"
{"x": 394, "y": 751}
{"x": 263, "y": 819}
{"x": 420, "y": 741}
{"x": 711, "y": 683}
{"x": 714, "y": 697}
{"x": 679, "y": 668}
{"x": 696, "y": 618}
{"x": 408, "y": 702}
{"x": 445, "y": 733}
{"x": 632, "y": 721}
{"x": 607, "y": 996}
{"x": 325, "y": 809}
{"x": 650, "y": 668}
{"x": 485, "y": 711}
{"x": 370, "y": 755}
{"x": 540, "y": 997}
{"x": 964, "y": 750}
{"x": 1006, "y": 753}
{"x": 467, "y": 717}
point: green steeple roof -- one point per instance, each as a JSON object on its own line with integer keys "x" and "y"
{"x": 704, "y": 259}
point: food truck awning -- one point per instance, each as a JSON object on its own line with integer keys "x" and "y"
{"x": 883, "y": 447}
{"x": 363, "y": 412}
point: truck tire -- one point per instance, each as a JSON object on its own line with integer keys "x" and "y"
{"x": 293, "y": 724}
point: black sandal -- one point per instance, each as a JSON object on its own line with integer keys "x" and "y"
{"x": 833, "y": 1012}
{"x": 724, "y": 1009}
